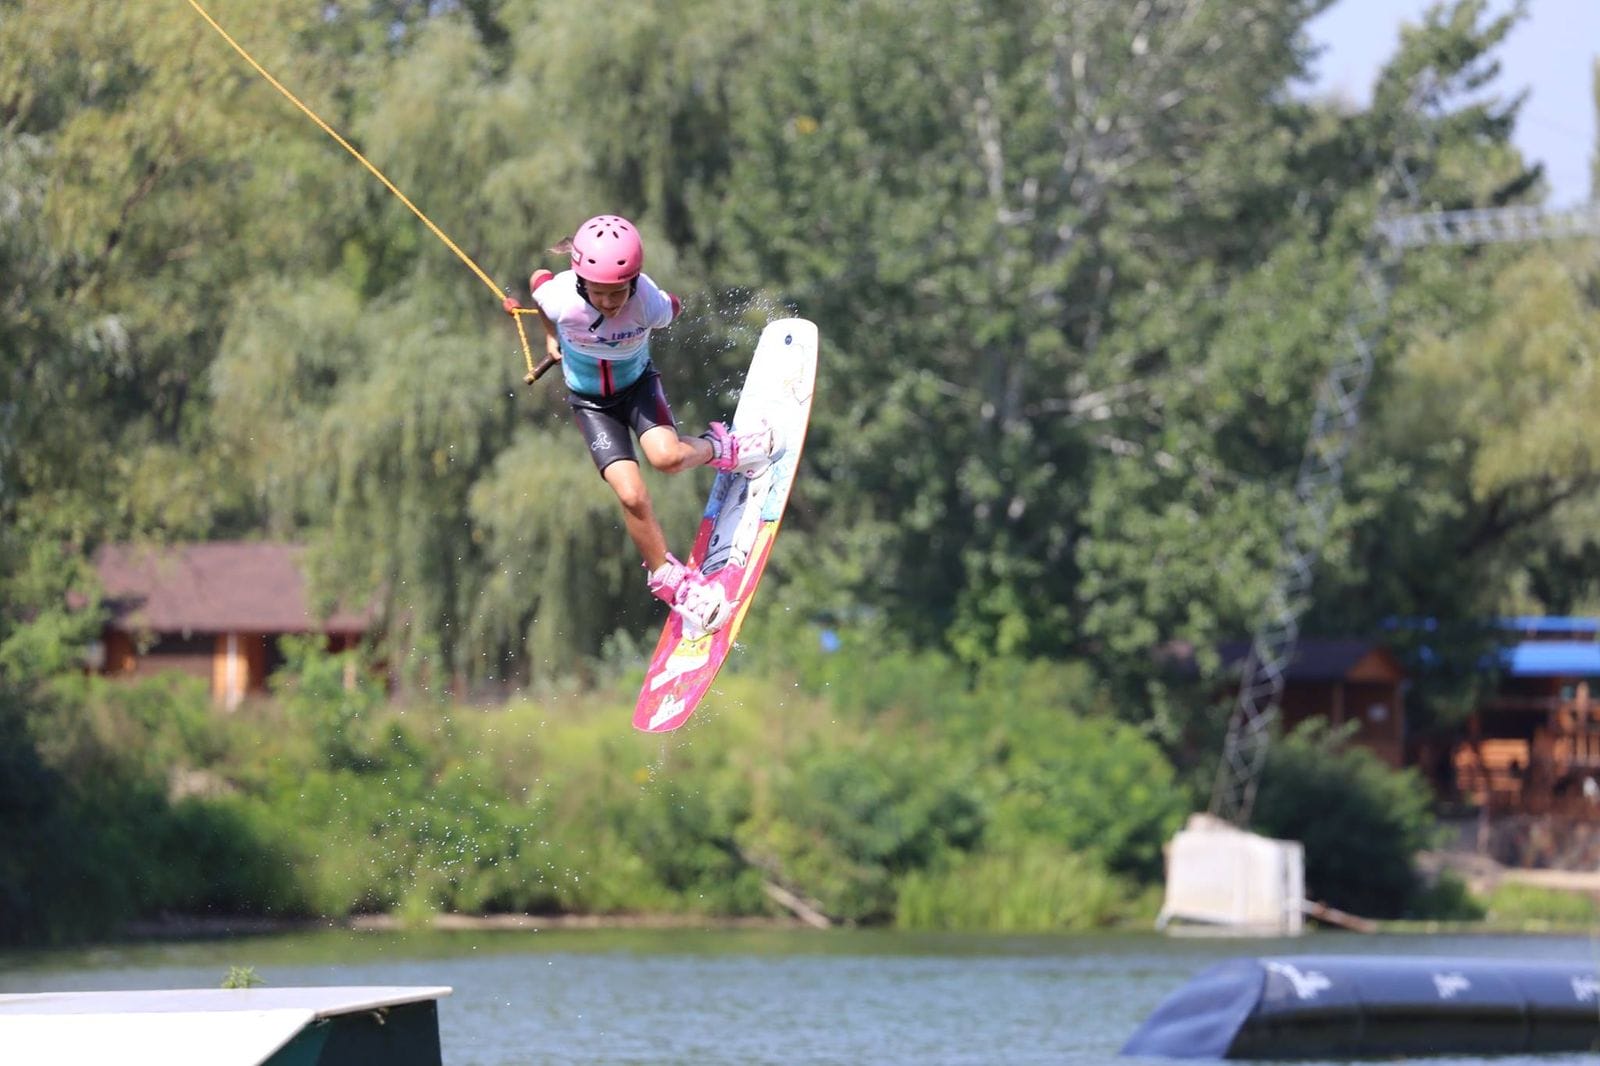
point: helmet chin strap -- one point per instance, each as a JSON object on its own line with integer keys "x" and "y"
{"x": 583, "y": 290}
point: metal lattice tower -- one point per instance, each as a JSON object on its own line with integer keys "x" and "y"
{"x": 1491, "y": 226}
{"x": 1316, "y": 492}
{"x": 1318, "y": 482}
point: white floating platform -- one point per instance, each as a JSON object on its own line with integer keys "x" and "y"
{"x": 223, "y": 1027}
{"x": 1234, "y": 882}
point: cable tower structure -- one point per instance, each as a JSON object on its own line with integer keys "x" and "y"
{"x": 1318, "y": 482}
{"x": 1502, "y": 225}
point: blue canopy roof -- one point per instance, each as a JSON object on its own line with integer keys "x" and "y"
{"x": 1553, "y": 658}
{"x": 1543, "y": 623}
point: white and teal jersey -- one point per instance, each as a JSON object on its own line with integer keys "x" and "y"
{"x": 602, "y": 355}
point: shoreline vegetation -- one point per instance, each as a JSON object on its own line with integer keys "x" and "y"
{"x": 200, "y": 927}
{"x": 853, "y": 787}
{"x": 204, "y": 927}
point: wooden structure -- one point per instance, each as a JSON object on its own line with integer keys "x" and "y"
{"x": 1338, "y": 679}
{"x": 1347, "y": 680}
{"x": 215, "y": 610}
{"x": 1534, "y": 745}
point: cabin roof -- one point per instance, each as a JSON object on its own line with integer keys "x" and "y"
{"x": 1557, "y": 626}
{"x": 1315, "y": 659}
{"x": 214, "y": 587}
{"x": 1327, "y": 659}
{"x": 1553, "y": 658}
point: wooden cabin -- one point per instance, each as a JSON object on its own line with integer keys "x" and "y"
{"x": 1533, "y": 746}
{"x": 1341, "y": 680}
{"x": 215, "y": 610}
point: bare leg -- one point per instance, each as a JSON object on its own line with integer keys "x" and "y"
{"x": 638, "y": 515}
{"x": 671, "y": 453}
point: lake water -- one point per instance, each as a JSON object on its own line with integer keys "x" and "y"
{"x": 742, "y": 996}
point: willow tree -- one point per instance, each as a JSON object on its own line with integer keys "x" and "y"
{"x": 132, "y": 215}
{"x": 376, "y": 396}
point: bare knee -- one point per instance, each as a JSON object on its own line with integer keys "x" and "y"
{"x": 623, "y": 477}
{"x": 668, "y": 460}
{"x": 666, "y": 451}
{"x": 635, "y": 499}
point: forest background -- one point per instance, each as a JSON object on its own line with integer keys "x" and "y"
{"x": 1078, "y": 270}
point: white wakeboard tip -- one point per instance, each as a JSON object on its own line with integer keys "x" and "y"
{"x": 671, "y": 708}
{"x": 791, "y": 331}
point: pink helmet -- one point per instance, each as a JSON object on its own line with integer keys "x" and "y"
{"x": 607, "y": 250}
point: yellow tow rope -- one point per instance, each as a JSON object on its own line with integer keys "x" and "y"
{"x": 534, "y": 372}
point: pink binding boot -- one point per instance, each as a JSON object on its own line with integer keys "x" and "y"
{"x": 700, "y": 602}
{"x": 746, "y": 452}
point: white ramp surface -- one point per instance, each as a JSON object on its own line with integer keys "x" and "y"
{"x": 177, "y": 1027}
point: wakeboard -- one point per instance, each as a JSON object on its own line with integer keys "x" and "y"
{"x": 738, "y": 527}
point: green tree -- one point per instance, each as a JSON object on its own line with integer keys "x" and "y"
{"x": 1077, "y": 281}
{"x": 157, "y": 189}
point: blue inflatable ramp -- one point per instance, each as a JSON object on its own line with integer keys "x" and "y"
{"x": 1331, "y": 1007}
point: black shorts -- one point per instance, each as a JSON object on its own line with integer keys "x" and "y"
{"x": 606, "y": 421}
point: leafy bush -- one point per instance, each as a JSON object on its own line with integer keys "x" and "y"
{"x": 50, "y": 890}
{"x": 1038, "y": 888}
{"x": 1447, "y": 899}
{"x": 1360, "y": 821}
{"x": 109, "y": 838}
{"x": 863, "y": 671}
{"x": 1091, "y": 785}
{"x": 846, "y": 823}
{"x": 336, "y": 696}
{"x": 685, "y": 835}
